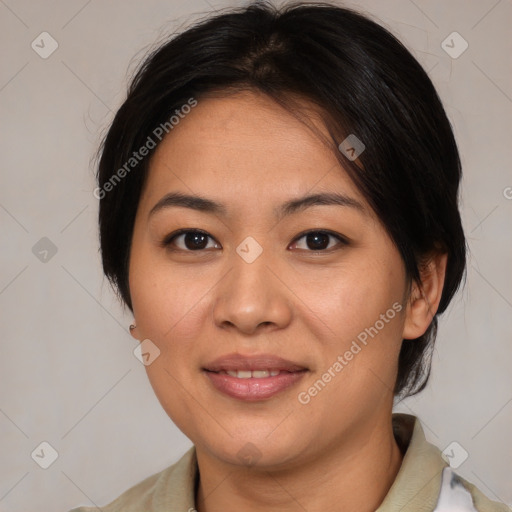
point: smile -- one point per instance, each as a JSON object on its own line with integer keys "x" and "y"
{"x": 253, "y": 385}
{"x": 256, "y": 374}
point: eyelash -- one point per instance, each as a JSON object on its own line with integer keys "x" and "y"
{"x": 167, "y": 241}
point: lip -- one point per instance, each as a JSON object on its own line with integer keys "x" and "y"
{"x": 253, "y": 389}
{"x": 233, "y": 362}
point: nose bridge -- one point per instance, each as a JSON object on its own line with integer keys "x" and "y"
{"x": 250, "y": 295}
{"x": 250, "y": 278}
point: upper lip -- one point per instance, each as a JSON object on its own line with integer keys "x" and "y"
{"x": 232, "y": 362}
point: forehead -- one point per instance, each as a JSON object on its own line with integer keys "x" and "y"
{"x": 246, "y": 147}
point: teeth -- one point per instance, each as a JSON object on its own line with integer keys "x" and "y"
{"x": 242, "y": 374}
{"x": 260, "y": 373}
{"x": 256, "y": 374}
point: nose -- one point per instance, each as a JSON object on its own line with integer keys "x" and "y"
{"x": 251, "y": 297}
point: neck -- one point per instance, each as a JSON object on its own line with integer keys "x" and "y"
{"x": 353, "y": 475}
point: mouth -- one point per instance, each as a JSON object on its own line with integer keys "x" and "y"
{"x": 253, "y": 378}
{"x": 251, "y": 374}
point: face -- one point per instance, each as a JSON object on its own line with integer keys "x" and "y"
{"x": 302, "y": 301}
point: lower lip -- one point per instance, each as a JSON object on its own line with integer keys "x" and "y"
{"x": 253, "y": 389}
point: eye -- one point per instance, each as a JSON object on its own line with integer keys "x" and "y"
{"x": 319, "y": 240}
{"x": 196, "y": 240}
{"x": 191, "y": 240}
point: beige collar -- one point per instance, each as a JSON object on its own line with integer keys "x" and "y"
{"x": 418, "y": 482}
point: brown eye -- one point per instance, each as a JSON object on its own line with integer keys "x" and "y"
{"x": 188, "y": 240}
{"x": 320, "y": 240}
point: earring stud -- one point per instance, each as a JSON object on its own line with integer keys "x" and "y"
{"x": 132, "y": 326}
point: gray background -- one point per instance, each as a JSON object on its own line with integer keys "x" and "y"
{"x": 69, "y": 376}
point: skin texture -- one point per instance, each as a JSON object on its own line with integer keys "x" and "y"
{"x": 337, "y": 452}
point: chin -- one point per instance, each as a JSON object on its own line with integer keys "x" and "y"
{"x": 255, "y": 447}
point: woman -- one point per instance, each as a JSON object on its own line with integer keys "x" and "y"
{"x": 278, "y": 209}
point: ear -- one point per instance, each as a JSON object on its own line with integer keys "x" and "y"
{"x": 424, "y": 300}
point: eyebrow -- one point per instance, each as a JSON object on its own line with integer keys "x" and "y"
{"x": 203, "y": 204}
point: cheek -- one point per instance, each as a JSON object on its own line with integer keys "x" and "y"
{"x": 354, "y": 311}
{"x": 167, "y": 303}
{"x": 168, "y": 306}
{"x": 346, "y": 299}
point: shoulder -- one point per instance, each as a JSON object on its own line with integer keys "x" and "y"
{"x": 171, "y": 487}
{"x": 137, "y": 497}
{"x": 480, "y": 501}
{"x": 457, "y": 493}
{"x": 426, "y": 482}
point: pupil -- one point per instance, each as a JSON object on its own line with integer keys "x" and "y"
{"x": 197, "y": 241}
{"x": 321, "y": 241}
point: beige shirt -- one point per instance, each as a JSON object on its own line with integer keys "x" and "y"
{"x": 416, "y": 487}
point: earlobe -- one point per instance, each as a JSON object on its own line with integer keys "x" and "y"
{"x": 424, "y": 301}
{"x": 133, "y": 327}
